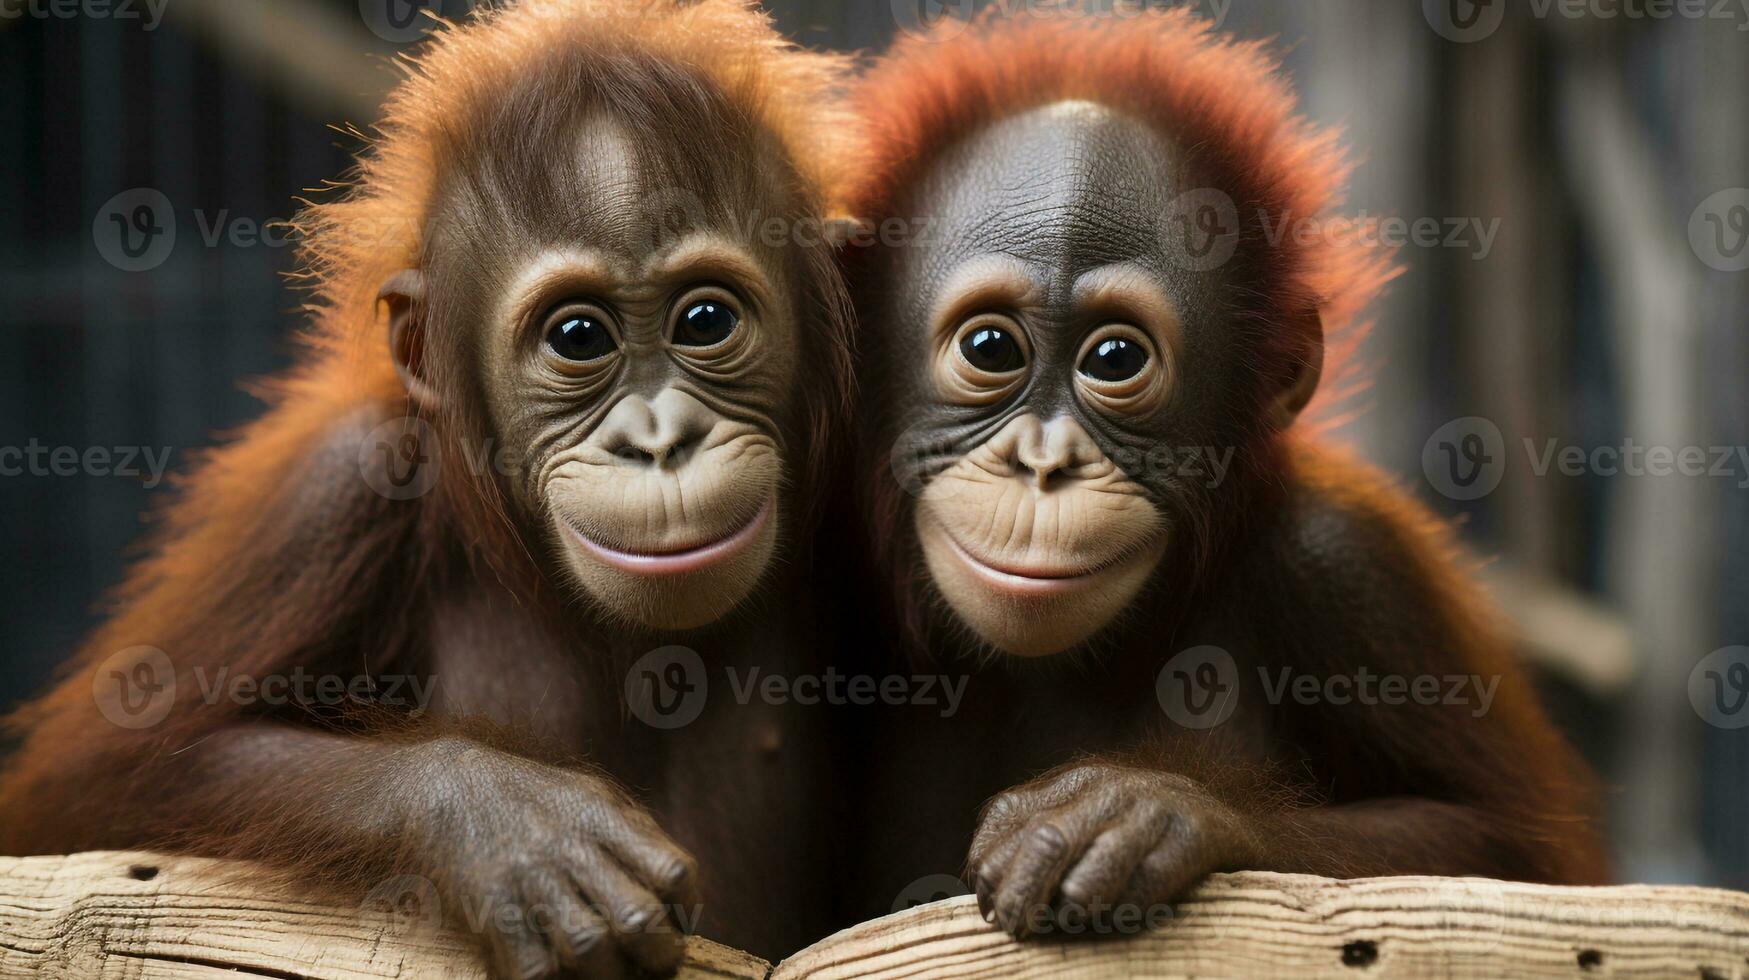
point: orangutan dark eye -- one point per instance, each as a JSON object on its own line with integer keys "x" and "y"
{"x": 579, "y": 337}
{"x": 992, "y": 349}
{"x": 705, "y": 324}
{"x": 1116, "y": 359}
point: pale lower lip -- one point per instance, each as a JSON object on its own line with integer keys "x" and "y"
{"x": 1009, "y": 581}
{"x": 679, "y": 562}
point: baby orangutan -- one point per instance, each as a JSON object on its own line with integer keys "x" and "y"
{"x": 1085, "y": 362}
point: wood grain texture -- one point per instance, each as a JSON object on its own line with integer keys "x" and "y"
{"x": 1272, "y": 925}
{"x": 157, "y": 917}
{"x": 118, "y": 915}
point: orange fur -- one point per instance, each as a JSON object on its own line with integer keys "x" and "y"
{"x": 1226, "y": 98}
{"x": 356, "y": 242}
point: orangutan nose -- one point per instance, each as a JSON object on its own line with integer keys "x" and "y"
{"x": 1043, "y": 453}
{"x": 658, "y": 432}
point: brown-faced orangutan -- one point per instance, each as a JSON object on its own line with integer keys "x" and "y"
{"x": 1094, "y": 281}
{"x": 580, "y": 258}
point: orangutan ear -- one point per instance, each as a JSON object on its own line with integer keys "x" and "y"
{"x": 1300, "y": 382}
{"x": 404, "y": 293}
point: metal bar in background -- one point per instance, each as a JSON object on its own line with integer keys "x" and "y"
{"x": 110, "y": 342}
{"x": 179, "y": 110}
{"x": 247, "y": 308}
{"x": 1658, "y": 528}
{"x": 1493, "y": 177}
{"x": 1716, "y": 126}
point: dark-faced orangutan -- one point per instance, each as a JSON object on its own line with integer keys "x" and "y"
{"x": 1094, "y": 284}
{"x": 576, "y": 344}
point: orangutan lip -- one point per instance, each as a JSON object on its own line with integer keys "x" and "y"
{"x": 675, "y": 562}
{"x": 1017, "y": 581}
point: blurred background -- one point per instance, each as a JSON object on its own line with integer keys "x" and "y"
{"x": 1560, "y": 369}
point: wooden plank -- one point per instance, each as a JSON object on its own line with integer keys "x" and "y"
{"x": 156, "y": 917}
{"x": 1258, "y": 924}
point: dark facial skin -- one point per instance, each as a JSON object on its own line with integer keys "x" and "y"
{"x": 1049, "y": 245}
{"x": 633, "y": 374}
{"x": 1033, "y": 473}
